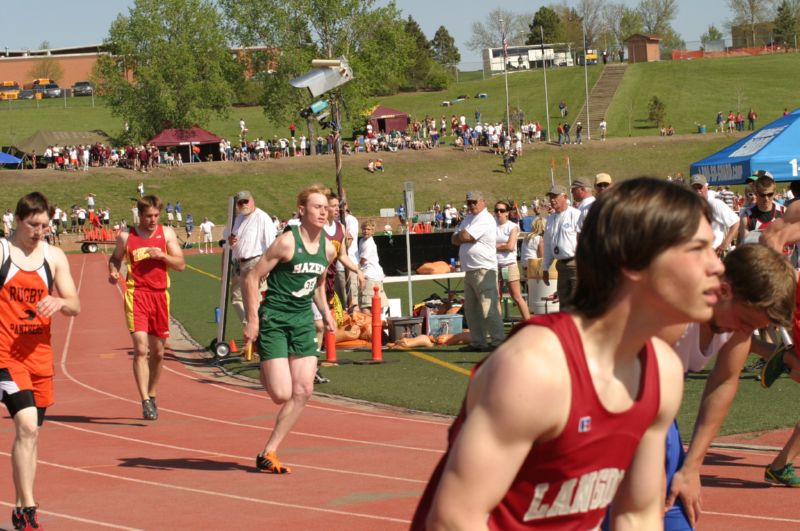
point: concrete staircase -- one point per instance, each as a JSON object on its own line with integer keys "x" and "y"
{"x": 600, "y": 98}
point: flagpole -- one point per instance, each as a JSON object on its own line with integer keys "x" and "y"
{"x": 505, "y": 75}
{"x": 586, "y": 84}
{"x": 546, "y": 99}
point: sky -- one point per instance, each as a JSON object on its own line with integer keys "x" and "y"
{"x": 77, "y": 26}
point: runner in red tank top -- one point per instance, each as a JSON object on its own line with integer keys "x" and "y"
{"x": 29, "y": 269}
{"x": 572, "y": 410}
{"x": 149, "y": 250}
{"x": 782, "y": 232}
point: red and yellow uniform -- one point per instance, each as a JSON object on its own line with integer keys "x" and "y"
{"x": 146, "y": 295}
{"x": 24, "y": 334}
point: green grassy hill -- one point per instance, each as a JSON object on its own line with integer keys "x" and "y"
{"x": 694, "y": 91}
{"x": 442, "y": 175}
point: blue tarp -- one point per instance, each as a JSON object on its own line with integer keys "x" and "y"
{"x": 775, "y": 148}
{"x": 5, "y": 158}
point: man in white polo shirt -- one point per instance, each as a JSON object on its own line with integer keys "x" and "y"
{"x": 476, "y": 238}
{"x": 253, "y": 232}
{"x": 583, "y": 196}
{"x": 560, "y": 243}
{"x": 724, "y": 221}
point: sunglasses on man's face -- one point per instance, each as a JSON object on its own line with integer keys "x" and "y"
{"x": 765, "y": 194}
{"x": 500, "y": 210}
{"x": 601, "y": 185}
{"x": 472, "y": 202}
{"x": 241, "y": 202}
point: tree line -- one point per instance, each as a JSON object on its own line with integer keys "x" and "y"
{"x": 169, "y": 62}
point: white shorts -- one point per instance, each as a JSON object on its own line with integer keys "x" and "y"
{"x": 170, "y": 217}
{"x": 179, "y": 216}
{"x": 207, "y": 238}
{"x": 316, "y": 312}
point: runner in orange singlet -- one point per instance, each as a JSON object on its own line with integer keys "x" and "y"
{"x": 29, "y": 271}
{"x": 149, "y": 250}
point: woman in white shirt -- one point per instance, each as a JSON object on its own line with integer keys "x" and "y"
{"x": 508, "y": 270}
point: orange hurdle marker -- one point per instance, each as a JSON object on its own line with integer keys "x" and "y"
{"x": 234, "y": 348}
{"x": 377, "y": 328}
{"x": 330, "y": 347}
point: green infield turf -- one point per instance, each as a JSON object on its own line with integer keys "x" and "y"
{"x": 434, "y": 380}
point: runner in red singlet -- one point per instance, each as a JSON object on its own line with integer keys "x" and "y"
{"x": 571, "y": 411}
{"x": 30, "y": 270}
{"x": 149, "y": 249}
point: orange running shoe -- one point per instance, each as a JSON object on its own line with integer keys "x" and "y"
{"x": 271, "y": 464}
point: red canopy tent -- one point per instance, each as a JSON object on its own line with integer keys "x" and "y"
{"x": 385, "y": 119}
{"x": 185, "y": 139}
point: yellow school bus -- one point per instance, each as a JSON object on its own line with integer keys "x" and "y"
{"x": 9, "y": 90}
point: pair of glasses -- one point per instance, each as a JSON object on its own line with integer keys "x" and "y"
{"x": 242, "y": 202}
{"x": 765, "y": 194}
{"x": 500, "y": 210}
{"x": 472, "y": 202}
{"x": 602, "y": 185}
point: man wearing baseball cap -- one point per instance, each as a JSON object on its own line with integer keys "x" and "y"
{"x": 602, "y": 181}
{"x": 253, "y": 232}
{"x": 583, "y": 196}
{"x": 476, "y": 237}
{"x": 560, "y": 243}
{"x": 724, "y": 221}
{"x": 764, "y": 210}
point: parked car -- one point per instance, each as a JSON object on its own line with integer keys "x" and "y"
{"x": 26, "y": 94}
{"x": 52, "y": 90}
{"x": 82, "y": 88}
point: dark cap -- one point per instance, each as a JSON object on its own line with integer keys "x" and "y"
{"x": 557, "y": 189}
{"x": 698, "y": 178}
{"x": 244, "y": 195}
{"x": 474, "y": 195}
{"x": 581, "y": 183}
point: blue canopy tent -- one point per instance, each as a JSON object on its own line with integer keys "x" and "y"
{"x": 774, "y": 148}
{"x": 5, "y": 158}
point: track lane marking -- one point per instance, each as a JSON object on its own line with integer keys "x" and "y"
{"x": 217, "y": 494}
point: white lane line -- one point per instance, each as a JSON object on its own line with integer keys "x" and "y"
{"x": 66, "y": 372}
{"x": 754, "y": 517}
{"x": 217, "y": 494}
{"x": 231, "y": 456}
{"x": 76, "y": 518}
{"x": 261, "y": 396}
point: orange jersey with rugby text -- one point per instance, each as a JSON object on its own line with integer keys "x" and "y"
{"x": 145, "y": 273}
{"x": 24, "y": 334}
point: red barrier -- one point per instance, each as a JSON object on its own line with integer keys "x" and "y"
{"x": 377, "y": 328}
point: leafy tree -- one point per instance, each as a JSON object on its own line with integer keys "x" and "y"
{"x": 445, "y": 51}
{"x": 46, "y": 68}
{"x": 787, "y": 22}
{"x": 622, "y": 21}
{"x": 422, "y": 59}
{"x": 591, "y": 14}
{"x": 490, "y": 34}
{"x": 657, "y": 15}
{"x": 547, "y": 19}
{"x": 657, "y": 111}
{"x": 750, "y": 13}
{"x": 168, "y": 66}
{"x": 713, "y": 34}
{"x": 293, "y": 33}
{"x": 571, "y": 27}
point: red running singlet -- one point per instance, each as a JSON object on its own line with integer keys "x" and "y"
{"x": 568, "y": 482}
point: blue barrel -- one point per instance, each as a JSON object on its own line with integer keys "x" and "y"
{"x": 701, "y": 129}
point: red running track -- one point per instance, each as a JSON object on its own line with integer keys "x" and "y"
{"x": 101, "y": 466}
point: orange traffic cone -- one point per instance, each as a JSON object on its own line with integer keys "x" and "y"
{"x": 234, "y": 349}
